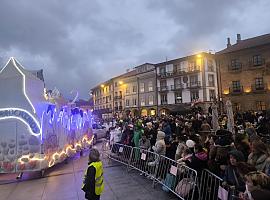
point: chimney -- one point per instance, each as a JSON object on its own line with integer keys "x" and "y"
{"x": 228, "y": 42}
{"x": 238, "y": 38}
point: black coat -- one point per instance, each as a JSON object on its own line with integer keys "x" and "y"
{"x": 89, "y": 184}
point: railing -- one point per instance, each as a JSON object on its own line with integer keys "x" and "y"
{"x": 256, "y": 64}
{"x": 164, "y": 102}
{"x": 235, "y": 68}
{"x": 236, "y": 90}
{"x": 257, "y": 88}
{"x": 174, "y": 177}
{"x": 195, "y": 84}
{"x": 163, "y": 88}
{"x": 118, "y": 97}
{"x": 177, "y": 87}
{"x": 178, "y": 73}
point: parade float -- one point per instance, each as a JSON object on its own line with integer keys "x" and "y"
{"x": 37, "y": 130}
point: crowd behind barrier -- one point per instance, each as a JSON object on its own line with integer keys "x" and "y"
{"x": 189, "y": 159}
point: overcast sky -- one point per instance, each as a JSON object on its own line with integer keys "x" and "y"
{"x": 80, "y": 43}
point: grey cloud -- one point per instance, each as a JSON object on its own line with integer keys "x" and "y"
{"x": 82, "y": 43}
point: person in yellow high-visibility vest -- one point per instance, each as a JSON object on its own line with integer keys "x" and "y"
{"x": 93, "y": 183}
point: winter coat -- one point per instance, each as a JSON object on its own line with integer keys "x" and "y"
{"x": 260, "y": 194}
{"x": 144, "y": 144}
{"x": 137, "y": 136}
{"x": 180, "y": 149}
{"x": 160, "y": 147}
{"x": 89, "y": 187}
{"x": 232, "y": 178}
{"x": 198, "y": 162}
{"x": 261, "y": 162}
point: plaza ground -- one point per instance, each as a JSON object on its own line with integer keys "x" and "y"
{"x": 63, "y": 182}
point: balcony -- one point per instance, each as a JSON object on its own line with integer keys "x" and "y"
{"x": 235, "y": 68}
{"x": 177, "y": 87}
{"x": 259, "y": 88}
{"x": 119, "y": 108}
{"x": 195, "y": 84}
{"x": 171, "y": 74}
{"x": 163, "y": 88}
{"x": 118, "y": 97}
{"x": 164, "y": 102}
{"x": 258, "y": 63}
{"x": 236, "y": 90}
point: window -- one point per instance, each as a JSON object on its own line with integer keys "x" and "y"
{"x": 163, "y": 99}
{"x": 127, "y": 102}
{"x": 163, "y": 85}
{"x": 151, "y": 100}
{"x": 257, "y": 60}
{"x": 259, "y": 83}
{"x": 141, "y": 87}
{"x": 162, "y": 70}
{"x": 115, "y": 84}
{"x": 134, "y": 89}
{"x": 127, "y": 90}
{"x": 116, "y": 94}
{"x": 211, "y": 80}
{"x": 194, "y": 95}
{"x": 120, "y": 94}
{"x": 212, "y": 95}
{"x": 236, "y": 87}
{"x": 261, "y": 105}
{"x": 177, "y": 67}
{"x": 142, "y": 101}
{"x": 107, "y": 99}
{"x": 177, "y": 83}
{"x": 110, "y": 97}
{"x": 104, "y": 100}
{"x": 191, "y": 66}
{"x": 150, "y": 86}
{"x": 178, "y": 97}
{"x": 134, "y": 102}
{"x": 236, "y": 107}
{"x": 194, "y": 80}
{"x": 210, "y": 65}
{"x": 235, "y": 64}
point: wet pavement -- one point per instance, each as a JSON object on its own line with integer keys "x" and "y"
{"x": 63, "y": 182}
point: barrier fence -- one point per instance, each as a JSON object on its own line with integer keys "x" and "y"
{"x": 174, "y": 177}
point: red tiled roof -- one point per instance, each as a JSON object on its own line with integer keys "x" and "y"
{"x": 248, "y": 43}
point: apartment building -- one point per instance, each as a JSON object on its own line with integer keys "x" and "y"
{"x": 184, "y": 81}
{"x": 147, "y": 90}
{"x": 103, "y": 95}
{"x": 244, "y": 69}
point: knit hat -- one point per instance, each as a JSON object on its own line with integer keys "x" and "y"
{"x": 160, "y": 135}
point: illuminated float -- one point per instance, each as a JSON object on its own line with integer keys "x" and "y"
{"x": 36, "y": 131}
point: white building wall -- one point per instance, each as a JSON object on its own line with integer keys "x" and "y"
{"x": 186, "y": 96}
{"x": 169, "y": 68}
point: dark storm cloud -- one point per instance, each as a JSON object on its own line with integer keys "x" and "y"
{"x": 82, "y": 43}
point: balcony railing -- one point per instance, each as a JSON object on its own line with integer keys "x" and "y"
{"x": 177, "y": 87}
{"x": 118, "y": 108}
{"x": 163, "y": 88}
{"x": 118, "y": 97}
{"x": 164, "y": 102}
{"x": 236, "y": 90}
{"x": 256, "y": 64}
{"x": 235, "y": 68}
{"x": 178, "y": 73}
{"x": 195, "y": 84}
{"x": 257, "y": 88}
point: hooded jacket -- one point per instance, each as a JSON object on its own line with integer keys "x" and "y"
{"x": 160, "y": 147}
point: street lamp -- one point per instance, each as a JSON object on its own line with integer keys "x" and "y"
{"x": 121, "y": 82}
{"x": 102, "y": 85}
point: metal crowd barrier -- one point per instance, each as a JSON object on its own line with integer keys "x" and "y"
{"x": 174, "y": 177}
{"x": 211, "y": 188}
{"x": 144, "y": 161}
{"x": 121, "y": 153}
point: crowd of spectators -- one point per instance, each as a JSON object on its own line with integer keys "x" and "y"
{"x": 241, "y": 158}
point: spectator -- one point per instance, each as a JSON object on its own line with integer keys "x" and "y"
{"x": 180, "y": 147}
{"x": 93, "y": 184}
{"x": 232, "y": 176}
{"x": 257, "y": 186}
{"x": 171, "y": 147}
{"x": 127, "y": 135}
{"x": 198, "y": 160}
{"x": 160, "y": 147}
{"x": 259, "y": 157}
{"x": 144, "y": 143}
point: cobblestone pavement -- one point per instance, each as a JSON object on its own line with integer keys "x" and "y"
{"x": 63, "y": 182}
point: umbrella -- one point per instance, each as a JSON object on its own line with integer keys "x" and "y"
{"x": 215, "y": 124}
{"x": 230, "y": 122}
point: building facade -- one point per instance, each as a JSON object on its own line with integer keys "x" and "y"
{"x": 244, "y": 70}
{"x": 185, "y": 81}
